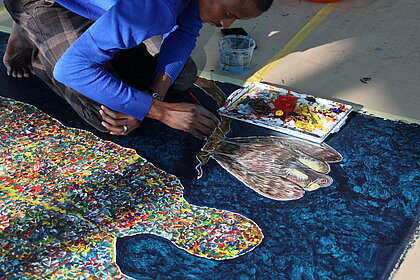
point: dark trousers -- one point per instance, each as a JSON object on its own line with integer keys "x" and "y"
{"x": 52, "y": 29}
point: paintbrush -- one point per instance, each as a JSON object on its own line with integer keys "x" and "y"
{"x": 247, "y": 38}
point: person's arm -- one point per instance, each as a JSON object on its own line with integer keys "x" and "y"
{"x": 161, "y": 83}
{"x": 178, "y": 45}
{"x": 176, "y": 49}
{"x": 121, "y": 27}
{"x": 81, "y": 68}
{"x": 187, "y": 117}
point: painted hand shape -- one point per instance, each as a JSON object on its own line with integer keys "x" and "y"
{"x": 280, "y": 168}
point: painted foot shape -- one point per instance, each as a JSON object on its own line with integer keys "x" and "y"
{"x": 106, "y": 190}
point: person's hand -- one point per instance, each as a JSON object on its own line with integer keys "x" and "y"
{"x": 191, "y": 118}
{"x": 187, "y": 117}
{"x": 118, "y": 123}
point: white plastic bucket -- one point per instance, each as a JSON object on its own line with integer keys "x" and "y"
{"x": 236, "y": 53}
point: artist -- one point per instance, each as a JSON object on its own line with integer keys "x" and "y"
{"x": 114, "y": 61}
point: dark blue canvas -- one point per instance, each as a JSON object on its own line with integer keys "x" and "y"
{"x": 358, "y": 228}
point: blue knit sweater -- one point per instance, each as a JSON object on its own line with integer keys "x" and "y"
{"x": 123, "y": 24}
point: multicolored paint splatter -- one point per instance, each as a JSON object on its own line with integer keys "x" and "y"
{"x": 287, "y": 111}
{"x": 65, "y": 195}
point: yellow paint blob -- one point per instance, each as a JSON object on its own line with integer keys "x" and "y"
{"x": 297, "y": 174}
{"x": 279, "y": 113}
{"x": 311, "y": 187}
{"x": 312, "y": 164}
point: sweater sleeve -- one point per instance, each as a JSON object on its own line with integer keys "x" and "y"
{"x": 127, "y": 24}
{"x": 180, "y": 42}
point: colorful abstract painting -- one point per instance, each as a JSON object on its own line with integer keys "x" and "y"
{"x": 65, "y": 195}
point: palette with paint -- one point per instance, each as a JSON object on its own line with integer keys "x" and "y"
{"x": 290, "y": 112}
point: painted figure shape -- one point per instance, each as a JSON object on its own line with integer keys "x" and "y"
{"x": 66, "y": 195}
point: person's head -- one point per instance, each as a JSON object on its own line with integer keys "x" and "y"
{"x": 222, "y": 13}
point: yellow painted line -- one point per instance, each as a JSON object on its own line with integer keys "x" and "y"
{"x": 3, "y": 11}
{"x": 292, "y": 44}
{"x": 5, "y": 29}
{"x": 221, "y": 78}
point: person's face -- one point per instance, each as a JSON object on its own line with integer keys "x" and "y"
{"x": 222, "y": 13}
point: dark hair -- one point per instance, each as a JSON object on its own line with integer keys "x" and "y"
{"x": 263, "y": 5}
